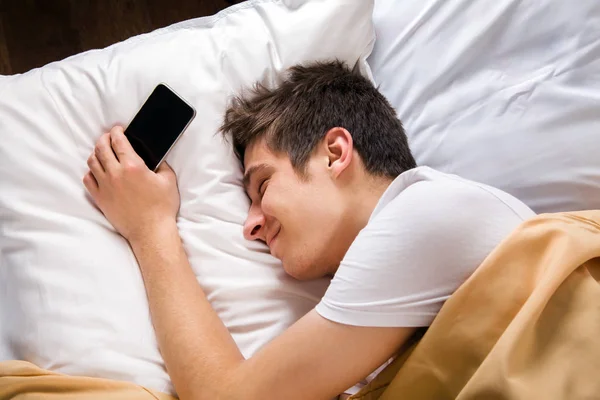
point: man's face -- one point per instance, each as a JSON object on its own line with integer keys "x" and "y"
{"x": 300, "y": 219}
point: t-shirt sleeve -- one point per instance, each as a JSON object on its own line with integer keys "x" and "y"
{"x": 414, "y": 253}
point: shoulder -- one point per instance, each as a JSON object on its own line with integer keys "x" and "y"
{"x": 425, "y": 200}
{"x": 432, "y": 218}
{"x": 428, "y": 233}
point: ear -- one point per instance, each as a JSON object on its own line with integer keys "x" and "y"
{"x": 339, "y": 149}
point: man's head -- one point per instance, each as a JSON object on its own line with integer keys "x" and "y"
{"x": 318, "y": 151}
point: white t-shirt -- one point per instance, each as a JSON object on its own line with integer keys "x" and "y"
{"x": 426, "y": 236}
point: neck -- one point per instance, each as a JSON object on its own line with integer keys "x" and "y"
{"x": 363, "y": 198}
{"x": 366, "y": 201}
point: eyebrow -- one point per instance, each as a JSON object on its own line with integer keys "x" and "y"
{"x": 250, "y": 172}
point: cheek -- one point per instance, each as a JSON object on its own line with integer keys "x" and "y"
{"x": 271, "y": 204}
{"x": 305, "y": 215}
{"x": 309, "y": 245}
{"x": 301, "y": 210}
{"x": 279, "y": 202}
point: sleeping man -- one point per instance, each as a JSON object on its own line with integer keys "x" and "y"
{"x": 334, "y": 191}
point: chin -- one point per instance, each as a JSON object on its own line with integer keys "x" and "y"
{"x": 294, "y": 272}
{"x": 303, "y": 271}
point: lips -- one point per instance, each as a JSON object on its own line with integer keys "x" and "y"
{"x": 270, "y": 240}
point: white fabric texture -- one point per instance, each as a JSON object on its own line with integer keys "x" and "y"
{"x": 426, "y": 236}
{"x": 503, "y": 92}
{"x": 71, "y": 296}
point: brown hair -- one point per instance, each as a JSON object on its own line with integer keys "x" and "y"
{"x": 295, "y": 116}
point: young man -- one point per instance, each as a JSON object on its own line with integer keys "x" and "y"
{"x": 335, "y": 191}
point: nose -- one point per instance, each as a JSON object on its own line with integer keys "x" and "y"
{"x": 254, "y": 225}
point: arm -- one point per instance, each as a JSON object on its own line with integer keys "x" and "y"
{"x": 315, "y": 358}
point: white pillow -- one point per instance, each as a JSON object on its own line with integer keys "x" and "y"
{"x": 504, "y": 92}
{"x": 71, "y": 296}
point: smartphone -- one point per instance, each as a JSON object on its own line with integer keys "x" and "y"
{"x": 158, "y": 124}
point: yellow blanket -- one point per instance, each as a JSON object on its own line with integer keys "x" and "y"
{"x": 526, "y": 325}
{"x": 20, "y": 380}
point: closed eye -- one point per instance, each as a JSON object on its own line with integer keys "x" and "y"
{"x": 262, "y": 187}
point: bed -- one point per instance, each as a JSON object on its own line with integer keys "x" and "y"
{"x": 506, "y": 93}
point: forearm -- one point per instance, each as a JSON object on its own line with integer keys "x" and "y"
{"x": 199, "y": 352}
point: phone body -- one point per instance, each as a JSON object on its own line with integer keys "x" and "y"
{"x": 158, "y": 125}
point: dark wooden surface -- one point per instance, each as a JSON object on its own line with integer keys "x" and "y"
{"x": 36, "y": 32}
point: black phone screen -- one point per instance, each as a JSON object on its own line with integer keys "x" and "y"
{"x": 157, "y": 125}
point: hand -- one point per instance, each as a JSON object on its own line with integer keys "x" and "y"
{"x": 133, "y": 198}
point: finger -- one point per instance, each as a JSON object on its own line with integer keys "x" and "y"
{"x": 91, "y": 184}
{"x": 95, "y": 167}
{"x": 121, "y": 145}
{"x": 105, "y": 155}
{"x": 165, "y": 169}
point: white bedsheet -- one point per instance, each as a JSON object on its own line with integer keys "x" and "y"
{"x": 71, "y": 296}
{"x": 503, "y": 92}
